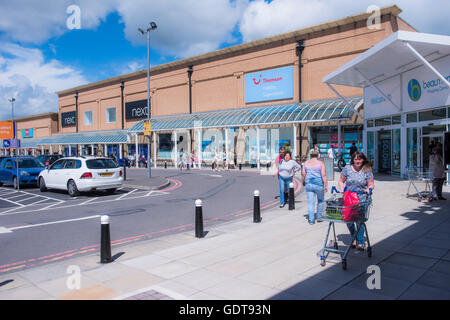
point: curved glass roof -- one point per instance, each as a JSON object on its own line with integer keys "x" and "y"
{"x": 86, "y": 138}
{"x": 308, "y": 111}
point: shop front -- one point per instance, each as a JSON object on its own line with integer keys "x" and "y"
{"x": 406, "y": 99}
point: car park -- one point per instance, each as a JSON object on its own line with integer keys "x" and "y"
{"x": 48, "y": 159}
{"x": 29, "y": 169}
{"x": 81, "y": 174}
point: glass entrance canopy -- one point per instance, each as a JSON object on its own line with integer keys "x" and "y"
{"x": 308, "y": 111}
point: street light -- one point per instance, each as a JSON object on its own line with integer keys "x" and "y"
{"x": 14, "y": 136}
{"x": 152, "y": 26}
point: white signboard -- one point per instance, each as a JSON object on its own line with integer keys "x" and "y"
{"x": 375, "y": 105}
{"x": 423, "y": 89}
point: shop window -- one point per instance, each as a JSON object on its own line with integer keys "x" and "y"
{"x": 370, "y": 123}
{"x": 111, "y": 115}
{"x": 433, "y": 115}
{"x": 411, "y": 117}
{"x": 396, "y": 120}
{"x": 383, "y": 122}
{"x": 88, "y": 118}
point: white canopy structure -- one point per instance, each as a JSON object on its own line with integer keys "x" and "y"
{"x": 405, "y": 77}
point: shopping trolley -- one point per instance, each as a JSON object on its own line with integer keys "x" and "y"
{"x": 333, "y": 213}
{"x": 421, "y": 175}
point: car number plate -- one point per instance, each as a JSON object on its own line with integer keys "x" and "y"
{"x": 106, "y": 174}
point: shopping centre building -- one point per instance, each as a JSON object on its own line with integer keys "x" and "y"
{"x": 246, "y": 100}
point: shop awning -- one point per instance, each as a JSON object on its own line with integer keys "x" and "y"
{"x": 105, "y": 137}
{"x": 398, "y": 53}
{"x": 308, "y": 111}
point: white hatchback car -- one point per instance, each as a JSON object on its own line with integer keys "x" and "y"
{"x": 82, "y": 173}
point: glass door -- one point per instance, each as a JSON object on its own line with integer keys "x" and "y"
{"x": 396, "y": 151}
{"x": 384, "y": 151}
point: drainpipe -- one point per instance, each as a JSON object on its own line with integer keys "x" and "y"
{"x": 299, "y": 48}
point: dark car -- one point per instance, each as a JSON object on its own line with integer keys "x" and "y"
{"x": 48, "y": 159}
{"x": 29, "y": 169}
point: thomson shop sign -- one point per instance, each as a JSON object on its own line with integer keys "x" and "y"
{"x": 68, "y": 119}
{"x": 136, "y": 110}
{"x": 269, "y": 85}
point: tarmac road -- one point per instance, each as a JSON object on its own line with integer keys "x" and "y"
{"x": 38, "y": 228}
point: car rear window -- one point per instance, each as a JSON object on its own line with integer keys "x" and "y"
{"x": 30, "y": 163}
{"x": 101, "y": 164}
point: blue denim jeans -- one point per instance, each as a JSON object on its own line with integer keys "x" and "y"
{"x": 313, "y": 191}
{"x": 284, "y": 187}
{"x": 352, "y": 226}
{"x": 360, "y": 236}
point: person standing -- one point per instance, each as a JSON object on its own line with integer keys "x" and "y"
{"x": 438, "y": 171}
{"x": 357, "y": 177}
{"x": 353, "y": 149}
{"x": 316, "y": 184}
{"x": 286, "y": 172}
{"x": 331, "y": 153}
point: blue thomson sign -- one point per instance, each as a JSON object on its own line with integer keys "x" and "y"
{"x": 269, "y": 85}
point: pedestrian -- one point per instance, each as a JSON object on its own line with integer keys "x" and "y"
{"x": 224, "y": 159}
{"x": 315, "y": 181}
{"x": 331, "y": 153}
{"x": 357, "y": 177}
{"x": 316, "y": 147}
{"x": 353, "y": 149}
{"x": 216, "y": 162}
{"x": 437, "y": 169}
{"x": 286, "y": 172}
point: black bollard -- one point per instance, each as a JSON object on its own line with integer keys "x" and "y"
{"x": 165, "y": 164}
{"x": 268, "y": 166}
{"x": 124, "y": 172}
{"x": 256, "y": 208}
{"x": 198, "y": 219}
{"x": 105, "y": 241}
{"x": 291, "y": 196}
{"x": 240, "y": 166}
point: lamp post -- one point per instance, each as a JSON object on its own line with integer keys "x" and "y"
{"x": 152, "y": 26}
{"x": 14, "y": 136}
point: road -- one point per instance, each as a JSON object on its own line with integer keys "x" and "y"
{"x": 38, "y": 228}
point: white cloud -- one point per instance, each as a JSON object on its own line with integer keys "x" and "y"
{"x": 32, "y": 81}
{"x": 185, "y": 28}
{"x": 31, "y": 21}
{"x": 262, "y": 19}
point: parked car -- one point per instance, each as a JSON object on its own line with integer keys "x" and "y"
{"x": 82, "y": 173}
{"x": 29, "y": 169}
{"x": 48, "y": 159}
{"x": 123, "y": 162}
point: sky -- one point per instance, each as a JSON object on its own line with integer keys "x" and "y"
{"x": 43, "y": 48}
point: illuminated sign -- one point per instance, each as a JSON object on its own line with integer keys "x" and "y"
{"x": 6, "y": 130}
{"x": 68, "y": 119}
{"x": 27, "y": 133}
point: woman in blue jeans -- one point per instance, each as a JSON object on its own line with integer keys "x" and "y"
{"x": 286, "y": 171}
{"x": 316, "y": 184}
{"x": 357, "y": 177}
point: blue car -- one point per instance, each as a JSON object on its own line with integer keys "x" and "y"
{"x": 29, "y": 169}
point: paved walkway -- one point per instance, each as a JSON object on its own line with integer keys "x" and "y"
{"x": 274, "y": 259}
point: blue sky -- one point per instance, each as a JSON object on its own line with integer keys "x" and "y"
{"x": 40, "y": 55}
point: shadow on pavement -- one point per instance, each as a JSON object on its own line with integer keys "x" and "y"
{"x": 414, "y": 263}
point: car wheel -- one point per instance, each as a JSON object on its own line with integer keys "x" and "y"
{"x": 72, "y": 189}
{"x": 42, "y": 186}
{"x": 111, "y": 191}
{"x": 15, "y": 184}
